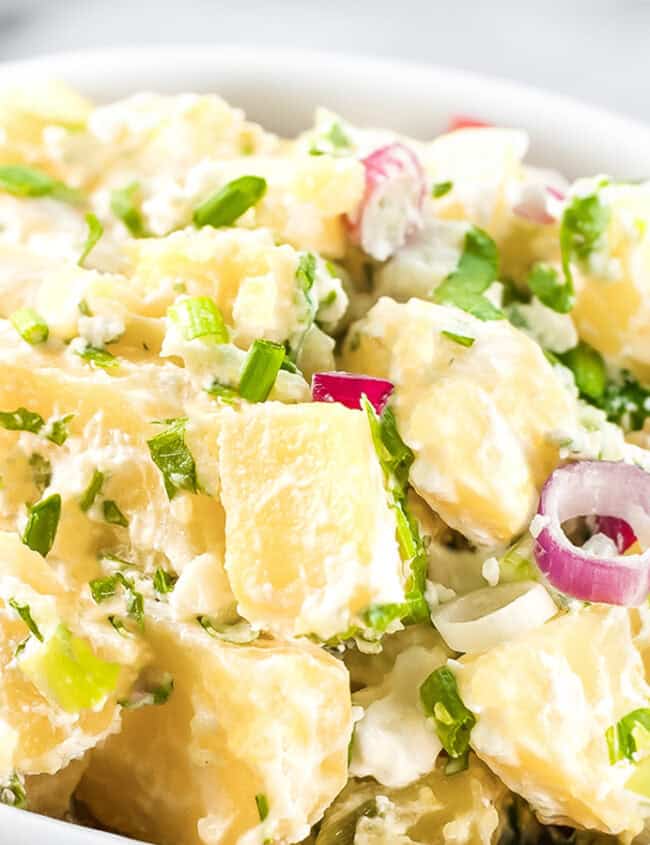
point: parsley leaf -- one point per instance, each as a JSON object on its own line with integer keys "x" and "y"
{"x": 262, "y": 803}
{"x": 98, "y": 357}
{"x": 90, "y": 493}
{"x": 440, "y": 189}
{"x": 544, "y": 281}
{"x": 453, "y": 721}
{"x": 42, "y": 523}
{"x": 163, "y": 582}
{"x": 588, "y": 369}
{"x": 172, "y": 457}
{"x": 626, "y": 402}
{"x": 113, "y": 514}
{"x": 95, "y": 231}
{"x": 23, "y": 420}
{"x": 477, "y": 269}
{"x": 105, "y": 588}
{"x": 125, "y": 206}
{"x": 581, "y": 231}
{"x": 25, "y": 614}
{"x": 229, "y": 203}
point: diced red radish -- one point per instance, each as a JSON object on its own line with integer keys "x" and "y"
{"x": 463, "y": 121}
{"x": 391, "y": 208}
{"x": 348, "y": 388}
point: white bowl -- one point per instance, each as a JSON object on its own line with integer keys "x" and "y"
{"x": 280, "y": 88}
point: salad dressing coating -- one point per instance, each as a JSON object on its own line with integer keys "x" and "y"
{"x": 217, "y": 594}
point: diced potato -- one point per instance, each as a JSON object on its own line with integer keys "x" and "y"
{"x": 478, "y": 418}
{"x": 543, "y": 703}
{"x": 44, "y": 730}
{"x": 394, "y": 742}
{"x": 305, "y": 553}
{"x": 466, "y": 809}
{"x": 612, "y": 310}
{"x": 267, "y": 719}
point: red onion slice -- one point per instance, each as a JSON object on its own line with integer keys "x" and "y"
{"x": 464, "y": 121}
{"x": 390, "y": 210}
{"x": 617, "y": 530}
{"x": 534, "y": 205}
{"x": 348, "y": 388}
{"x": 591, "y": 488}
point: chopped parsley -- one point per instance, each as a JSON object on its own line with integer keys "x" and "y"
{"x": 453, "y": 721}
{"x": 260, "y": 370}
{"x": 113, "y": 514}
{"x": 22, "y": 181}
{"x": 156, "y": 695}
{"x": 262, "y": 803}
{"x": 125, "y": 205}
{"x": 545, "y": 282}
{"x": 333, "y": 140}
{"x": 105, "y": 588}
{"x": 198, "y": 316}
{"x": 477, "y": 269}
{"x": 23, "y": 420}
{"x": 42, "y": 523}
{"x": 228, "y": 204}
{"x": 170, "y": 454}
{"x": 461, "y": 339}
{"x": 582, "y": 229}
{"x": 441, "y": 189}
{"x": 306, "y": 272}
{"x": 163, "y": 582}
{"x": 95, "y": 231}
{"x": 90, "y": 493}
{"x": 25, "y": 614}
{"x": 41, "y": 471}
{"x": 626, "y": 402}
{"x": 629, "y": 735}
{"x": 57, "y": 430}
{"x": 30, "y": 326}
{"x": 588, "y": 370}
{"x": 98, "y": 357}
{"x": 229, "y": 395}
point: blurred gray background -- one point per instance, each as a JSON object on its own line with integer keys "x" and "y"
{"x": 597, "y": 50}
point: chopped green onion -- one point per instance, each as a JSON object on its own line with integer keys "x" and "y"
{"x": 13, "y": 793}
{"x": 24, "y": 181}
{"x": 588, "y": 369}
{"x": 113, "y": 514}
{"x": 95, "y": 231}
{"x": 84, "y": 309}
{"x": 441, "y": 702}
{"x": 457, "y": 764}
{"x": 163, "y": 582}
{"x": 461, "y": 339}
{"x": 30, "y": 326}
{"x": 260, "y": 370}
{"x": 544, "y": 281}
{"x": 237, "y": 633}
{"x": 262, "y": 806}
{"x": 198, "y": 316}
{"x": 41, "y": 471}
{"x": 174, "y": 460}
{"x": 221, "y": 391}
{"x": 42, "y": 523}
{"x": 477, "y": 269}
{"x": 629, "y": 735}
{"x": 90, "y": 493}
{"x": 105, "y": 588}
{"x": 25, "y": 614}
{"x": 440, "y": 189}
{"x": 306, "y": 271}
{"x": 99, "y": 357}
{"x": 583, "y": 225}
{"x": 67, "y": 670}
{"x": 125, "y": 206}
{"x": 155, "y": 696}
{"x": 229, "y": 203}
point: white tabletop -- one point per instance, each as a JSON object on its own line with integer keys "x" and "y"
{"x": 596, "y": 50}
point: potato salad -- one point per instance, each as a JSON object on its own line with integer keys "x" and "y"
{"x": 324, "y": 481}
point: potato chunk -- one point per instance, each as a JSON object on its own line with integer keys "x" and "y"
{"x": 477, "y": 417}
{"x": 543, "y": 703}
{"x": 310, "y": 538}
{"x": 265, "y": 719}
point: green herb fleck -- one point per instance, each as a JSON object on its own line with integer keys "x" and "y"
{"x": 98, "y": 357}
{"x": 113, "y": 514}
{"x": 105, "y": 588}
{"x": 260, "y": 370}
{"x": 13, "y": 793}
{"x": 237, "y": 633}
{"x": 198, "y": 316}
{"x": 84, "y": 308}
{"x": 174, "y": 460}
{"x": 306, "y": 271}
{"x": 229, "y": 203}
{"x": 544, "y": 281}
{"x": 95, "y": 231}
{"x": 30, "y": 326}
{"x": 156, "y": 695}
{"x": 440, "y": 189}
{"x": 90, "y": 493}
{"x": 629, "y": 735}
{"x": 588, "y": 369}
{"x": 24, "y": 181}
{"x": 41, "y": 471}
{"x": 582, "y": 228}
{"x": 453, "y": 721}
{"x": 226, "y": 394}
{"x": 461, "y": 339}
{"x": 125, "y": 205}
{"x": 42, "y": 523}
{"x": 25, "y": 614}
{"x": 163, "y": 582}
{"x": 262, "y": 806}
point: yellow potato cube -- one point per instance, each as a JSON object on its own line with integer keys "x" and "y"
{"x": 310, "y": 538}
{"x": 266, "y": 719}
{"x": 543, "y": 703}
{"x": 477, "y": 417}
